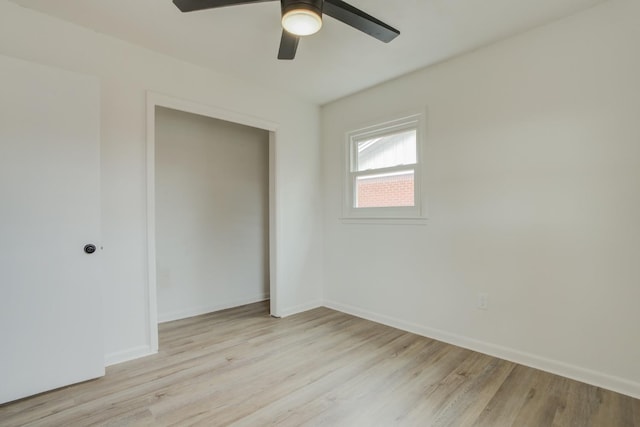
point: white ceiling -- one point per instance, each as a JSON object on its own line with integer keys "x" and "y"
{"x": 243, "y": 40}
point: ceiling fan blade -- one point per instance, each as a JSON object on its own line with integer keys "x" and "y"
{"x": 191, "y": 5}
{"x": 288, "y": 45}
{"x": 359, "y": 20}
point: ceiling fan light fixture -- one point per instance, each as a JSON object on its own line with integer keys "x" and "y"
{"x": 301, "y": 22}
{"x": 302, "y": 17}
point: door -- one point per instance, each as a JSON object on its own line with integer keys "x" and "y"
{"x": 50, "y": 310}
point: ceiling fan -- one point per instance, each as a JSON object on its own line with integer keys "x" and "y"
{"x": 304, "y": 17}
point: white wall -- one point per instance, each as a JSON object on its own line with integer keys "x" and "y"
{"x": 533, "y": 165}
{"x": 212, "y": 214}
{"x": 126, "y": 72}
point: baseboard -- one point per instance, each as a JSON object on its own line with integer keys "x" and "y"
{"x": 197, "y": 311}
{"x": 300, "y": 308}
{"x": 126, "y": 355}
{"x": 599, "y": 379}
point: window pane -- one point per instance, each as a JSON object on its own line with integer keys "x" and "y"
{"x": 386, "y": 151}
{"x": 385, "y": 190}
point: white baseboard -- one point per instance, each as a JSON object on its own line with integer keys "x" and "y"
{"x": 126, "y": 355}
{"x": 300, "y": 308}
{"x": 599, "y": 379}
{"x": 197, "y": 311}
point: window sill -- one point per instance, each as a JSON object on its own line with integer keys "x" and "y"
{"x": 384, "y": 221}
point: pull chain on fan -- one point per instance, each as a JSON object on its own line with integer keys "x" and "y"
{"x": 304, "y": 17}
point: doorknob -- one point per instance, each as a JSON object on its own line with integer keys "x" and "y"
{"x": 89, "y": 249}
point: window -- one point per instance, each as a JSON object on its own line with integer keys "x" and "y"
{"x": 383, "y": 173}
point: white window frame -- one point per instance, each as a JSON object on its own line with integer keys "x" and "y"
{"x": 396, "y": 214}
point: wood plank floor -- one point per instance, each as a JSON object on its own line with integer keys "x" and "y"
{"x": 320, "y": 368}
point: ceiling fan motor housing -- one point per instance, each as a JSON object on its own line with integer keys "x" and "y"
{"x": 314, "y": 6}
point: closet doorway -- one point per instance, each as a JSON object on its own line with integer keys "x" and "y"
{"x": 211, "y": 209}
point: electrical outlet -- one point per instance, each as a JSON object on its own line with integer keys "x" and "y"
{"x": 483, "y": 301}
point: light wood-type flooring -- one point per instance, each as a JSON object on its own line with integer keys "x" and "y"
{"x": 320, "y": 368}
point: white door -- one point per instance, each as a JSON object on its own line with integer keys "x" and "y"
{"x": 50, "y": 308}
